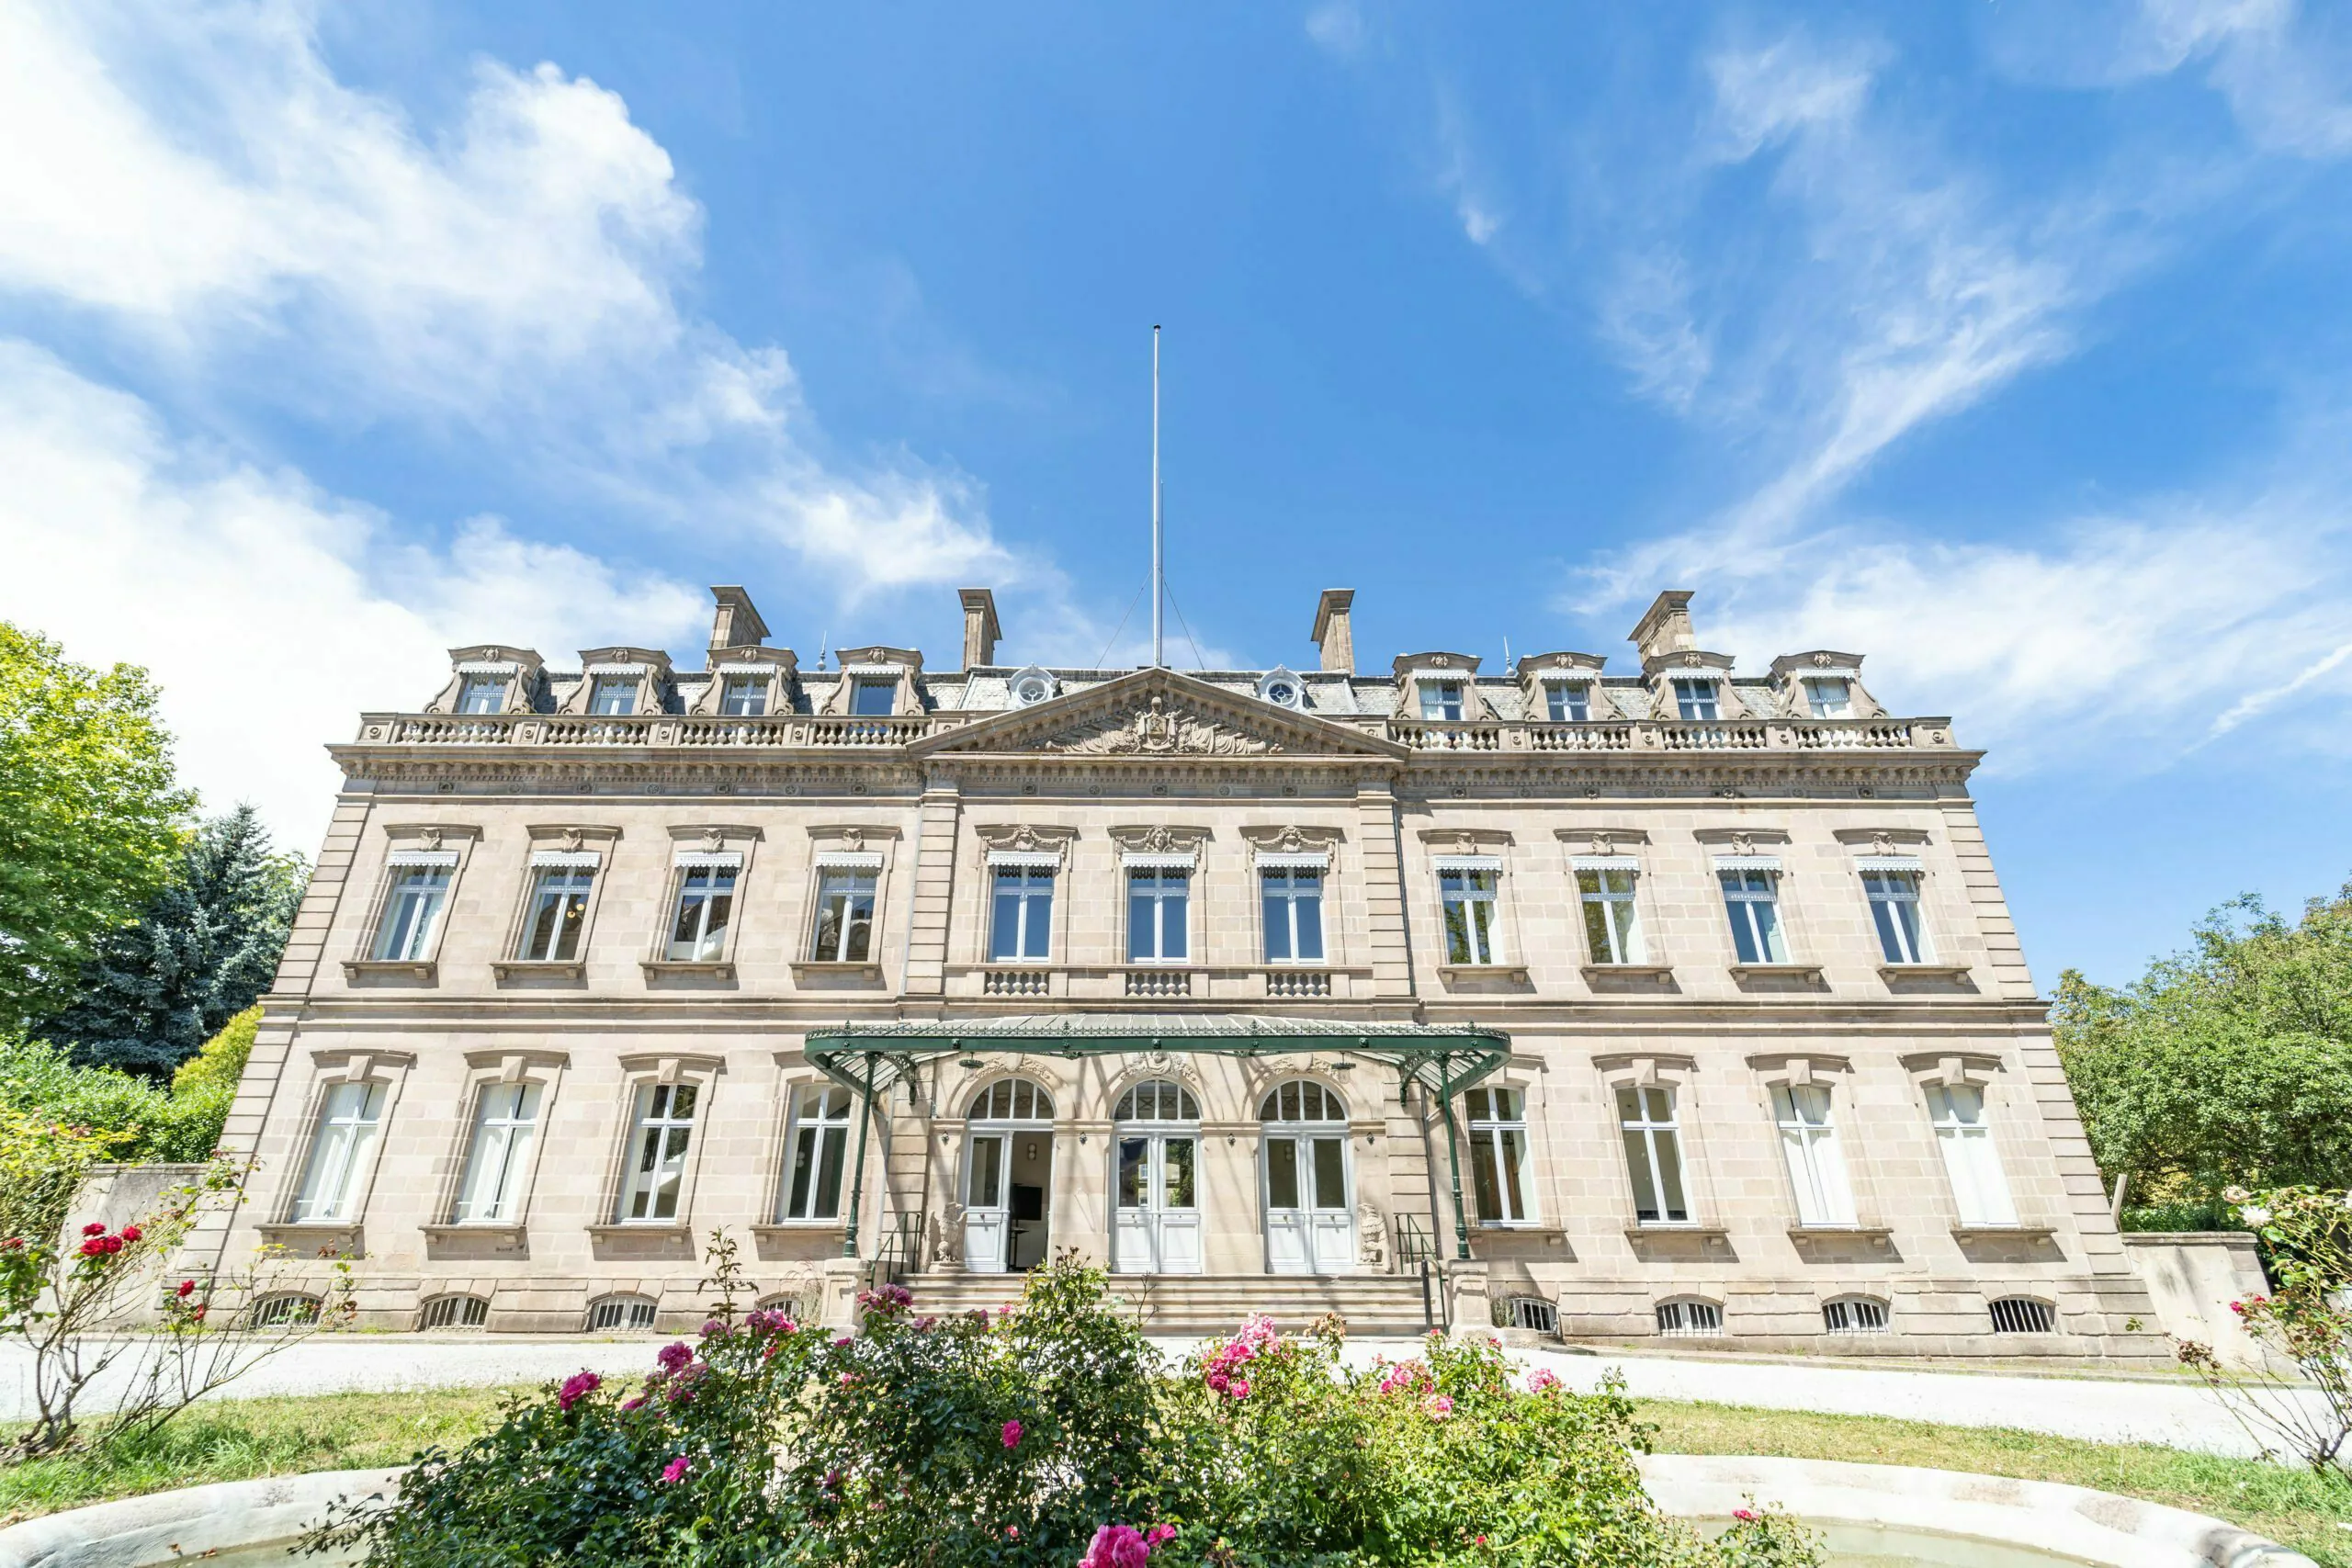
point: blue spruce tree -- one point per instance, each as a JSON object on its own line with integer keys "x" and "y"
{"x": 206, "y": 947}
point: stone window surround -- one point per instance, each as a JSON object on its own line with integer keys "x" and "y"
{"x": 1038, "y": 845}
{"x": 330, "y": 1070}
{"x": 1523, "y": 1082}
{"x": 1581, "y": 845}
{"x": 1447, "y": 849}
{"x": 1761, "y": 844}
{"x": 648, "y": 668}
{"x": 484, "y": 1069}
{"x": 457, "y": 838}
{"x": 1164, "y": 848}
{"x": 831, "y": 848}
{"x": 774, "y": 667}
{"x": 639, "y": 1070}
{"x": 1797, "y": 1069}
{"x": 1664, "y": 1069}
{"x": 793, "y": 1075}
{"x": 1296, "y": 847}
{"x": 688, "y": 841}
{"x": 1988, "y": 1072}
{"x": 560, "y": 838}
{"x": 1904, "y": 849}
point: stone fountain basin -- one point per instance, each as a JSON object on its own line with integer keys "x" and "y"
{"x": 1874, "y": 1516}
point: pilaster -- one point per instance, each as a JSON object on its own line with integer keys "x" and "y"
{"x": 937, "y": 815}
{"x": 1383, "y": 887}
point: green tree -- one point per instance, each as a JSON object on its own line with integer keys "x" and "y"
{"x": 2226, "y": 1065}
{"x": 206, "y": 947}
{"x": 91, "y": 825}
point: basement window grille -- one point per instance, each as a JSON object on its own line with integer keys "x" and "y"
{"x": 2023, "y": 1315}
{"x": 455, "y": 1311}
{"x": 620, "y": 1311}
{"x": 1689, "y": 1319}
{"x": 1854, "y": 1315}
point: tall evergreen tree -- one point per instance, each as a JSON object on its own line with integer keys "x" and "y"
{"x": 205, "y": 948}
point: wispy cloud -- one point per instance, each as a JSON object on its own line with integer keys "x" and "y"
{"x": 210, "y": 193}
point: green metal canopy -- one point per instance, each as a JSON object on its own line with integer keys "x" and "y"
{"x": 871, "y": 1057}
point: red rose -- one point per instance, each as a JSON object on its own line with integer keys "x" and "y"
{"x": 93, "y": 1229}
{"x": 130, "y": 1233}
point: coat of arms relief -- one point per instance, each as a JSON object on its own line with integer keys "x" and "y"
{"x": 1157, "y": 731}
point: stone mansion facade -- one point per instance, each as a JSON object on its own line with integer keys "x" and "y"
{"x": 1660, "y": 1001}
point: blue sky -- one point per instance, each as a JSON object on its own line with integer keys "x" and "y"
{"x": 2005, "y": 344}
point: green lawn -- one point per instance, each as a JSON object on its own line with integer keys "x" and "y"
{"x": 239, "y": 1440}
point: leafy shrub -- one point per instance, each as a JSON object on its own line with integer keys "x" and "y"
{"x": 143, "y": 1121}
{"x": 1047, "y": 1434}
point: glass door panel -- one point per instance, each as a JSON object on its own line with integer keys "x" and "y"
{"x": 985, "y": 1216}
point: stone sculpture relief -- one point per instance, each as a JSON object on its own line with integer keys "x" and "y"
{"x": 1155, "y": 731}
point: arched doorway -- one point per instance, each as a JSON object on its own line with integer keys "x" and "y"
{"x": 1008, "y": 1171}
{"x": 1155, "y": 1180}
{"x": 1310, "y": 1217}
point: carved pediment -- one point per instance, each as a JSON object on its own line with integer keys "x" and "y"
{"x": 1291, "y": 839}
{"x": 1158, "y": 713}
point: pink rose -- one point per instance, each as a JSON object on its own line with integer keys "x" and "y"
{"x": 1011, "y": 1433}
{"x": 1438, "y": 1406}
{"x": 1745, "y": 1516}
{"x": 576, "y": 1387}
{"x": 1542, "y": 1381}
{"x": 675, "y": 1471}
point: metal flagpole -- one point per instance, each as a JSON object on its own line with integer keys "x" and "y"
{"x": 1158, "y": 570}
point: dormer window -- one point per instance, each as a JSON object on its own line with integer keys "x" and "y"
{"x": 1567, "y": 702}
{"x": 1440, "y": 700}
{"x": 744, "y": 696}
{"x": 1828, "y": 696}
{"x": 614, "y": 694}
{"x": 1032, "y": 686}
{"x": 874, "y": 696}
{"x": 1282, "y": 688}
{"x": 482, "y": 693}
{"x": 1696, "y": 698}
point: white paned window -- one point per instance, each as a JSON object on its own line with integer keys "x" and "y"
{"x": 506, "y": 1120}
{"x": 1809, "y": 1144}
{"x": 1466, "y": 896}
{"x": 705, "y": 902}
{"x": 1498, "y": 1119}
{"x": 819, "y": 1149}
{"x": 1156, "y": 1100}
{"x": 412, "y": 911}
{"x": 874, "y": 696}
{"x": 482, "y": 693}
{"x": 1567, "y": 702}
{"x": 1022, "y": 920}
{"x": 1293, "y": 901}
{"x": 612, "y": 694}
{"x": 349, "y": 1119}
{"x": 743, "y": 696}
{"x": 1854, "y": 1315}
{"x": 1653, "y": 1153}
{"x": 661, "y": 1131}
{"x": 1752, "y": 899}
{"x": 1011, "y": 1100}
{"x": 1159, "y": 899}
{"x": 1610, "y": 925}
{"x": 1696, "y": 699}
{"x": 1828, "y": 696}
{"x": 1441, "y": 699}
{"x": 1690, "y": 1318}
{"x": 1978, "y": 1188}
{"x": 557, "y": 913}
{"x": 844, "y": 915}
{"x": 1302, "y": 1099}
{"x": 1894, "y": 912}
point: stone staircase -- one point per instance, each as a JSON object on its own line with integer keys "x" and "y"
{"x": 1191, "y": 1304}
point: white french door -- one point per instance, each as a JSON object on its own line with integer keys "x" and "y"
{"x": 1155, "y": 1203}
{"x": 987, "y": 1219}
{"x": 1310, "y": 1222}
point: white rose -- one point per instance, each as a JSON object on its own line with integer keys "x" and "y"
{"x": 2256, "y": 1215}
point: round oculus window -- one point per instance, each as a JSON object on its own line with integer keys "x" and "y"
{"x": 1033, "y": 690}
{"x": 1282, "y": 693}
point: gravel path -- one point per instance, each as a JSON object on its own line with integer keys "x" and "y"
{"x": 2177, "y": 1414}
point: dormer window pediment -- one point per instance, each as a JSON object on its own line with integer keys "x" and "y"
{"x": 489, "y": 678}
{"x": 1563, "y": 688}
{"x": 1034, "y": 686}
{"x": 617, "y": 681}
{"x": 1282, "y": 687}
{"x": 1823, "y": 683}
{"x": 1439, "y": 688}
{"x": 747, "y": 682}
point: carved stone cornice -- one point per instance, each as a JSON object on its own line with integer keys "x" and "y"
{"x": 1160, "y": 839}
{"x": 1291, "y": 839}
{"x": 1026, "y": 836}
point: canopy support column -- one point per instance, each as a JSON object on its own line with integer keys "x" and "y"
{"x": 857, "y": 1179}
{"x": 1452, "y": 1157}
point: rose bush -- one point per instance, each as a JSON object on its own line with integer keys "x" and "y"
{"x": 1046, "y": 1435}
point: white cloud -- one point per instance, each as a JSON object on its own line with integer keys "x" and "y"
{"x": 1338, "y": 27}
{"x": 206, "y": 189}
{"x": 271, "y": 613}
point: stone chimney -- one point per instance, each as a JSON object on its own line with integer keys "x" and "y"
{"x": 736, "y": 624}
{"x": 981, "y": 628}
{"x": 1331, "y": 634}
{"x": 1665, "y": 628}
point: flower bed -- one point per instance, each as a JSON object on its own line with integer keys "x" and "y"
{"x": 1047, "y": 1434}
